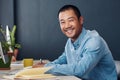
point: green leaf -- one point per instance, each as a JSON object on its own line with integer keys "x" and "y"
{"x": 5, "y": 46}
{"x": 12, "y": 35}
{"x": 3, "y": 33}
{"x": 17, "y": 46}
{"x": 13, "y": 44}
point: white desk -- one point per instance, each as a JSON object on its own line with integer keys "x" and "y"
{"x": 18, "y": 65}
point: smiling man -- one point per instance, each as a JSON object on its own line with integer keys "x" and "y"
{"x": 70, "y": 24}
{"x": 86, "y": 53}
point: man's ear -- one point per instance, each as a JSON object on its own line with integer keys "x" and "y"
{"x": 81, "y": 19}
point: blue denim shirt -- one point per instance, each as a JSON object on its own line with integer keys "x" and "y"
{"x": 88, "y": 58}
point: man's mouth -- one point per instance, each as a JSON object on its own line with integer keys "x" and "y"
{"x": 69, "y": 31}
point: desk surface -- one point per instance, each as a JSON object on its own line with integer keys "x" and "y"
{"x": 16, "y": 66}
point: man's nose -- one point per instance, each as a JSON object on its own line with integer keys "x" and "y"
{"x": 67, "y": 25}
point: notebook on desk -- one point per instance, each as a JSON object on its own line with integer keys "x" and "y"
{"x": 31, "y": 73}
{"x": 17, "y": 65}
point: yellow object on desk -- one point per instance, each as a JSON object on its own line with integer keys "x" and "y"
{"x": 33, "y": 77}
{"x": 31, "y": 73}
{"x": 34, "y": 73}
{"x": 28, "y": 62}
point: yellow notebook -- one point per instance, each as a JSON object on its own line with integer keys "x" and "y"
{"x": 32, "y": 73}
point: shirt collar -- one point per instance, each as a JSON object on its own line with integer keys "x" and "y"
{"x": 77, "y": 42}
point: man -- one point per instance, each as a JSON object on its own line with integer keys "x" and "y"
{"x": 86, "y": 54}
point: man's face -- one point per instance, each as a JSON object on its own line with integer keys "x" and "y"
{"x": 70, "y": 25}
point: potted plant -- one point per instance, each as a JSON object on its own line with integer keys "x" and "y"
{"x": 8, "y": 46}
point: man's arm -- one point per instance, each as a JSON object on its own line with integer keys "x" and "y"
{"x": 60, "y": 60}
{"x": 91, "y": 56}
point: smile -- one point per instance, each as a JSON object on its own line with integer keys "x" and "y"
{"x": 69, "y": 31}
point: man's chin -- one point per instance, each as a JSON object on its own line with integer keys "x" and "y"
{"x": 69, "y": 36}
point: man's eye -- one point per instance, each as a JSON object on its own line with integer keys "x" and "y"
{"x": 71, "y": 20}
{"x": 62, "y": 22}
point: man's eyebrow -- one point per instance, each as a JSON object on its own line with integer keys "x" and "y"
{"x": 67, "y": 18}
{"x": 61, "y": 20}
{"x": 71, "y": 18}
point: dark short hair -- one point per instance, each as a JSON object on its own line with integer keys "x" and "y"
{"x": 74, "y": 8}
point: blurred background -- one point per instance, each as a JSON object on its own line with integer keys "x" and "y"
{"x": 38, "y": 29}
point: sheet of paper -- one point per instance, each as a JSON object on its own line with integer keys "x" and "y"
{"x": 27, "y": 77}
{"x": 32, "y": 73}
{"x": 40, "y": 76}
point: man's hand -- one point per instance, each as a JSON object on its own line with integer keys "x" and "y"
{"x": 39, "y": 64}
{"x": 13, "y": 59}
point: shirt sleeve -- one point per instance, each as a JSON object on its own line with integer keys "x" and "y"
{"x": 60, "y": 60}
{"x": 92, "y": 53}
